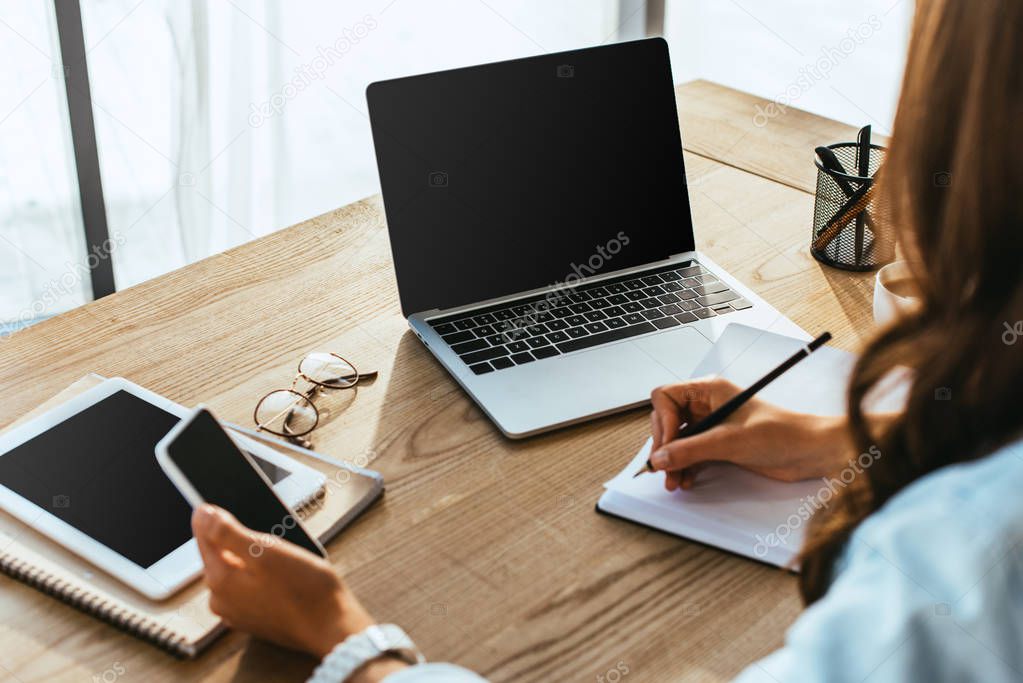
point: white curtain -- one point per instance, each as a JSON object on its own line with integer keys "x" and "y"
{"x": 225, "y": 61}
{"x": 267, "y": 119}
{"x": 842, "y": 60}
{"x": 189, "y": 23}
{"x": 218, "y": 122}
{"x": 42, "y": 248}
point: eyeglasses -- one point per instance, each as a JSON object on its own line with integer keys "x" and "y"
{"x": 291, "y": 413}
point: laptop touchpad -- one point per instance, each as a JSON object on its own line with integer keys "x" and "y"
{"x": 678, "y": 351}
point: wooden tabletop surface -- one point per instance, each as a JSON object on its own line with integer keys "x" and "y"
{"x": 488, "y": 551}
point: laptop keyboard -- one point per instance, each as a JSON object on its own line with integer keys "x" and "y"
{"x": 572, "y": 319}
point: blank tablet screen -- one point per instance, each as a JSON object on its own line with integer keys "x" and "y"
{"x": 97, "y": 471}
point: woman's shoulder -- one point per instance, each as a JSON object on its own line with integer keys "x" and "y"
{"x": 981, "y": 496}
{"x": 949, "y": 530}
{"x": 929, "y": 588}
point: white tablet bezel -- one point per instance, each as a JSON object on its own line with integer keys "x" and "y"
{"x": 180, "y": 566}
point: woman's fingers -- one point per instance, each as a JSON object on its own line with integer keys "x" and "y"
{"x": 218, "y": 528}
{"x": 687, "y": 477}
{"x": 686, "y": 402}
{"x": 263, "y": 585}
{"x": 284, "y": 559}
{"x": 693, "y": 450}
{"x": 213, "y": 558}
{"x": 682, "y": 479}
{"x": 228, "y": 549}
{"x": 238, "y": 597}
{"x": 219, "y": 607}
{"x": 673, "y": 407}
{"x": 222, "y": 538}
{"x": 666, "y": 416}
{"x": 225, "y": 545}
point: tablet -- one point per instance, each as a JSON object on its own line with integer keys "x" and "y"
{"x": 85, "y": 474}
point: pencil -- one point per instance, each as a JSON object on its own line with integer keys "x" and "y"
{"x": 856, "y": 203}
{"x": 737, "y": 401}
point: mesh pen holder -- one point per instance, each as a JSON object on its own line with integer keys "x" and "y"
{"x": 850, "y": 230}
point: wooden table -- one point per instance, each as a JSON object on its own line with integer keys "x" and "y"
{"x": 488, "y": 551}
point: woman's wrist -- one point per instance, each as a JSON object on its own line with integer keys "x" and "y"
{"x": 349, "y": 617}
{"x": 831, "y": 440}
{"x": 807, "y": 446}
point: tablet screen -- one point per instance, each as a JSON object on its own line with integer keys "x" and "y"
{"x": 97, "y": 471}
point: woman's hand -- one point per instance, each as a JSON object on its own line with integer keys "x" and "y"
{"x": 760, "y": 437}
{"x": 277, "y": 591}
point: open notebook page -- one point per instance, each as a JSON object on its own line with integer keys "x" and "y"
{"x": 731, "y": 508}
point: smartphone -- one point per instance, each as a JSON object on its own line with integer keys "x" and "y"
{"x": 206, "y": 465}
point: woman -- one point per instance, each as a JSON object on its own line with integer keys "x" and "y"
{"x": 914, "y": 572}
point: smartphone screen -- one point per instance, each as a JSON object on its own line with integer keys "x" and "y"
{"x": 221, "y": 474}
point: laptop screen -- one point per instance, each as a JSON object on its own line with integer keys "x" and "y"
{"x": 512, "y": 176}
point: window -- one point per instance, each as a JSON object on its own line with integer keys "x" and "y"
{"x": 840, "y": 60}
{"x": 41, "y": 238}
{"x": 218, "y": 122}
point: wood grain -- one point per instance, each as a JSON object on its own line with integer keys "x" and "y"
{"x": 487, "y": 550}
{"x": 756, "y": 135}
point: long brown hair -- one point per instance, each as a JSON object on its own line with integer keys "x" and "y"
{"x": 954, "y": 184}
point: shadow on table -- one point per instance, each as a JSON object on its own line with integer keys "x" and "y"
{"x": 424, "y": 415}
{"x": 854, "y": 293}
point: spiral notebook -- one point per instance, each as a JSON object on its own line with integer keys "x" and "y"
{"x": 182, "y": 625}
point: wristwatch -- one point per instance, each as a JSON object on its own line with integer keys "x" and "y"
{"x": 358, "y": 649}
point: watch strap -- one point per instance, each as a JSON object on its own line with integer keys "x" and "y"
{"x": 360, "y": 648}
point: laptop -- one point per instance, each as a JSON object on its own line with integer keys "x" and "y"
{"x": 540, "y": 228}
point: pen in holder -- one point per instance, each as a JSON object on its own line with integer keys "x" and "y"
{"x": 849, "y": 226}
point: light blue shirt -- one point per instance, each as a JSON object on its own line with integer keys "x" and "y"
{"x": 434, "y": 673}
{"x": 930, "y": 588}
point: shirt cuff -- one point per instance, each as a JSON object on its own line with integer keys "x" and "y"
{"x": 434, "y": 673}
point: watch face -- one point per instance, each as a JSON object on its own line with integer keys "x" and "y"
{"x": 378, "y": 637}
{"x": 391, "y": 639}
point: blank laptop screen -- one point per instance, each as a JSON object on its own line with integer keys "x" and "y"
{"x": 511, "y": 176}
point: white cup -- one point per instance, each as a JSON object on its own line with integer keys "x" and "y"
{"x": 887, "y": 304}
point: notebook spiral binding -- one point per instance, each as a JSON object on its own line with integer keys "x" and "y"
{"x": 306, "y": 508}
{"x": 94, "y": 605}
{"x": 105, "y": 611}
